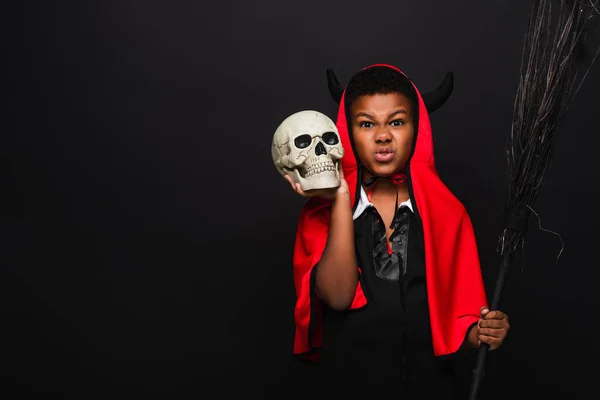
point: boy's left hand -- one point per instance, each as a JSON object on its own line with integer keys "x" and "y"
{"x": 492, "y": 328}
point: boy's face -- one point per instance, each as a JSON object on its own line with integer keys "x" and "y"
{"x": 383, "y": 130}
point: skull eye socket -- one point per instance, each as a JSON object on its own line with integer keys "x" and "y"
{"x": 303, "y": 141}
{"x": 330, "y": 138}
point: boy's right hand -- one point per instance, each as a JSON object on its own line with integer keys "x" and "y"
{"x": 329, "y": 194}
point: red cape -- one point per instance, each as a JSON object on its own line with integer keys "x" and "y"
{"x": 454, "y": 284}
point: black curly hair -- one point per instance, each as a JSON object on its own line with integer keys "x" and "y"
{"x": 379, "y": 80}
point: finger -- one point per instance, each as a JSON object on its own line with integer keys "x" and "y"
{"x": 491, "y": 332}
{"x": 295, "y": 185}
{"x": 495, "y": 315}
{"x": 483, "y": 311}
{"x": 493, "y": 323}
{"x": 493, "y": 342}
{"x": 290, "y": 181}
{"x": 299, "y": 190}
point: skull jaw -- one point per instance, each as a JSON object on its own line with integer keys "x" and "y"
{"x": 323, "y": 180}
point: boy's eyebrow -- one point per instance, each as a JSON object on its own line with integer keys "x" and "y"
{"x": 401, "y": 111}
{"x": 364, "y": 114}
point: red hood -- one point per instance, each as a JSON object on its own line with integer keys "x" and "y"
{"x": 422, "y": 154}
{"x": 454, "y": 283}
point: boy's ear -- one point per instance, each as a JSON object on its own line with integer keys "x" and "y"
{"x": 433, "y": 100}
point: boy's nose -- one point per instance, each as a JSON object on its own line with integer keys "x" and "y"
{"x": 383, "y": 135}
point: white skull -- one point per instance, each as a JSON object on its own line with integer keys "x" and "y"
{"x": 306, "y": 146}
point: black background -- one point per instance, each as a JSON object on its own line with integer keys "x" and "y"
{"x": 147, "y": 238}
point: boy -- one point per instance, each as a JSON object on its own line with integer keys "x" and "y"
{"x": 386, "y": 266}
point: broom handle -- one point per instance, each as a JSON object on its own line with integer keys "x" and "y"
{"x": 483, "y": 349}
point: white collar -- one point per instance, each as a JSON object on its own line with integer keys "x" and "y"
{"x": 364, "y": 203}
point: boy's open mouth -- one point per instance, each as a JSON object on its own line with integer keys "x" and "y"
{"x": 384, "y": 154}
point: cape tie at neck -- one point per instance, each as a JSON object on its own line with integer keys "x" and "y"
{"x": 396, "y": 179}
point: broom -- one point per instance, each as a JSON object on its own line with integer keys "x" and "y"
{"x": 551, "y": 74}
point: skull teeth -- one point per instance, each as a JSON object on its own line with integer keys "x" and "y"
{"x": 320, "y": 167}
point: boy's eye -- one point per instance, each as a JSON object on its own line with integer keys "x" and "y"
{"x": 397, "y": 122}
{"x": 365, "y": 124}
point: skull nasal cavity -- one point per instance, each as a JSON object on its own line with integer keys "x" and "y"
{"x": 320, "y": 149}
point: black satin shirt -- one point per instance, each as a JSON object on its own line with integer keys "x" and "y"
{"x": 385, "y": 348}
